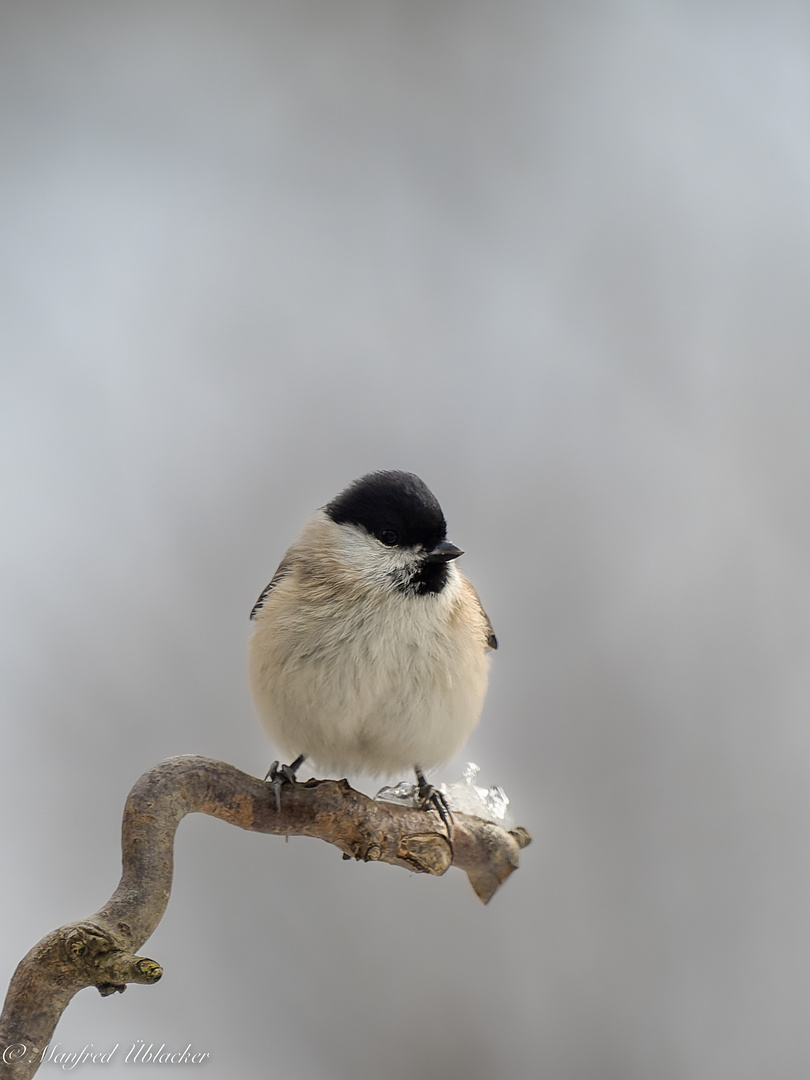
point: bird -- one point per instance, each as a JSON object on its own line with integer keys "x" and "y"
{"x": 370, "y": 648}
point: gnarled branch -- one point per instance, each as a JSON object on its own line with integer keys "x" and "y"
{"x": 101, "y": 951}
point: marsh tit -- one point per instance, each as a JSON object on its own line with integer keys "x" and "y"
{"x": 370, "y": 648}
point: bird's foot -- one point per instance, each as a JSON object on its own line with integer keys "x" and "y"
{"x": 430, "y": 798}
{"x": 278, "y": 775}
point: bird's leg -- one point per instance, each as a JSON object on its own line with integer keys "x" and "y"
{"x": 431, "y": 798}
{"x": 277, "y": 775}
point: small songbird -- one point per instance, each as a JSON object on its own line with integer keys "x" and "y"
{"x": 370, "y": 647}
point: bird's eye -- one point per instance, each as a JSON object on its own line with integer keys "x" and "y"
{"x": 389, "y": 537}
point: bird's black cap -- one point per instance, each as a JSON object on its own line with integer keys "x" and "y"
{"x": 396, "y": 507}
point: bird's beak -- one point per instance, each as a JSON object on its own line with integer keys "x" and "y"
{"x": 444, "y": 552}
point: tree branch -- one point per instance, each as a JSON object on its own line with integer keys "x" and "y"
{"x": 101, "y": 951}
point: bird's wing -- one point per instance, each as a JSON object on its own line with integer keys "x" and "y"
{"x": 283, "y": 570}
{"x": 492, "y": 641}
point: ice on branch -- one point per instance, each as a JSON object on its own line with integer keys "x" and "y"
{"x": 463, "y": 795}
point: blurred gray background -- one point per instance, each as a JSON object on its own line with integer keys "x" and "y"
{"x": 552, "y": 256}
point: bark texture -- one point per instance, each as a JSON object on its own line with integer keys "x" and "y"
{"x": 101, "y": 950}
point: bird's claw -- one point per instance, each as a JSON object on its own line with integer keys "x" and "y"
{"x": 430, "y": 798}
{"x": 277, "y": 776}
